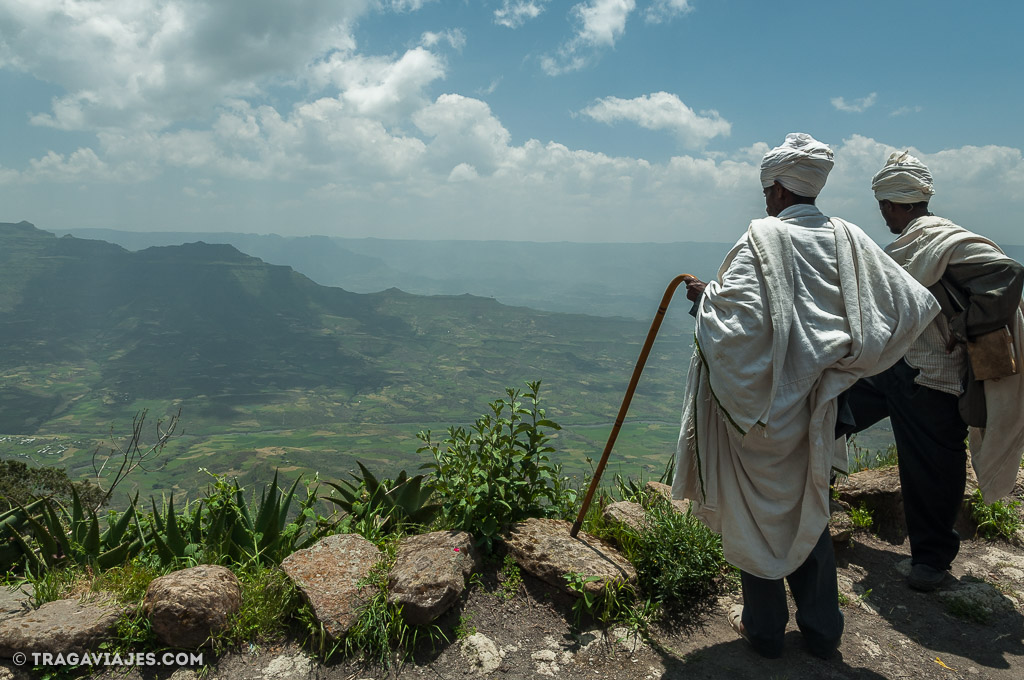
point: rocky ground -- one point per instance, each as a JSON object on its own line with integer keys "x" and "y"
{"x": 972, "y": 627}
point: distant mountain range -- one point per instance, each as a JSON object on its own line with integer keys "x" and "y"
{"x": 605, "y": 279}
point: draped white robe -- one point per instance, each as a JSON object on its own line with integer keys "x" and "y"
{"x": 804, "y": 307}
{"x": 925, "y": 248}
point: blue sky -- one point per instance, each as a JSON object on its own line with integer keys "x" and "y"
{"x": 600, "y": 120}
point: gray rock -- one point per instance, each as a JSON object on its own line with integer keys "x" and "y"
{"x": 61, "y": 626}
{"x": 15, "y": 601}
{"x": 482, "y": 654}
{"x": 626, "y": 513}
{"x": 544, "y": 548}
{"x": 187, "y": 606}
{"x": 982, "y": 598}
{"x": 327, "y": 575}
{"x": 840, "y": 527}
{"x": 290, "y": 667}
{"x": 430, "y": 573}
{"x": 879, "y": 491}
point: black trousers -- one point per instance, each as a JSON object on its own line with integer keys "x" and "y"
{"x": 932, "y": 452}
{"x": 816, "y": 593}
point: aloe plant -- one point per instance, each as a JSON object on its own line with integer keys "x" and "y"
{"x": 224, "y": 526}
{"x": 404, "y": 501}
{"x": 48, "y": 536}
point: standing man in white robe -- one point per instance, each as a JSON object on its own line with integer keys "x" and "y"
{"x": 933, "y": 397}
{"x": 804, "y": 305}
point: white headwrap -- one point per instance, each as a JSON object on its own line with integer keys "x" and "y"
{"x": 904, "y": 179}
{"x": 801, "y": 165}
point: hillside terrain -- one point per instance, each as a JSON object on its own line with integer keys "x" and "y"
{"x": 604, "y": 279}
{"x": 272, "y": 370}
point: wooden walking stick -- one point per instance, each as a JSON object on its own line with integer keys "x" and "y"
{"x": 651, "y": 334}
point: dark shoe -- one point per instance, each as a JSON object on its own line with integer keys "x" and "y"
{"x": 925, "y": 578}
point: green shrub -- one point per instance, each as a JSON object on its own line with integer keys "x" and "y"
{"x": 679, "y": 561}
{"x": 995, "y": 520}
{"x": 498, "y": 472}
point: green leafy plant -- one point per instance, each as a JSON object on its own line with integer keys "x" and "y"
{"x": 679, "y": 561}
{"x": 386, "y": 505}
{"x": 498, "y": 472}
{"x": 607, "y": 604}
{"x": 995, "y": 520}
{"x": 862, "y": 517}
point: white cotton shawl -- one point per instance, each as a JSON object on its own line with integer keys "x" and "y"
{"x": 925, "y": 248}
{"x": 804, "y": 308}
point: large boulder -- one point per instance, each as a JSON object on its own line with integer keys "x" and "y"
{"x": 328, "y": 573}
{"x": 430, "y": 573}
{"x": 60, "y": 627}
{"x": 544, "y": 548}
{"x": 188, "y": 606}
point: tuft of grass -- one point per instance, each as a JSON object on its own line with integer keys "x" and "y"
{"x": 862, "y": 517}
{"x": 56, "y": 584}
{"x": 269, "y": 601}
{"x": 128, "y": 582}
{"x": 995, "y": 520}
{"x": 510, "y": 579}
{"x": 862, "y": 458}
{"x": 464, "y": 628}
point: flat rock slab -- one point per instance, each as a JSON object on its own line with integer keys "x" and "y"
{"x": 430, "y": 573}
{"x": 61, "y": 626}
{"x": 14, "y": 601}
{"x": 187, "y": 606}
{"x": 327, "y": 574}
{"x": 544, "y": 548}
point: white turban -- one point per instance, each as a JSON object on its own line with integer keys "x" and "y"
{"x": 801, "y": 165}
{"x": 904, "y": 179}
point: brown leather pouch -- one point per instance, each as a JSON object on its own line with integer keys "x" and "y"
{"x": 992, "y": 356}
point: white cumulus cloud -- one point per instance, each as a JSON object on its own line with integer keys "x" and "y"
{"x": 599, "y": 25}
{"x": 661, "y": 111}
{"x": 661, "y": 11}
{"x": 857, "y": 105}
{"x": 148, "y": 63}
{"x": 515, "y": 13}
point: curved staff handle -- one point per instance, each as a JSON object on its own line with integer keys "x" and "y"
{"x": 651, "y": 334}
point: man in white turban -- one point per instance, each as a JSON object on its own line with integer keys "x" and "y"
{"x": 933, "y": 396}
{"x": 804, "y": 305}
